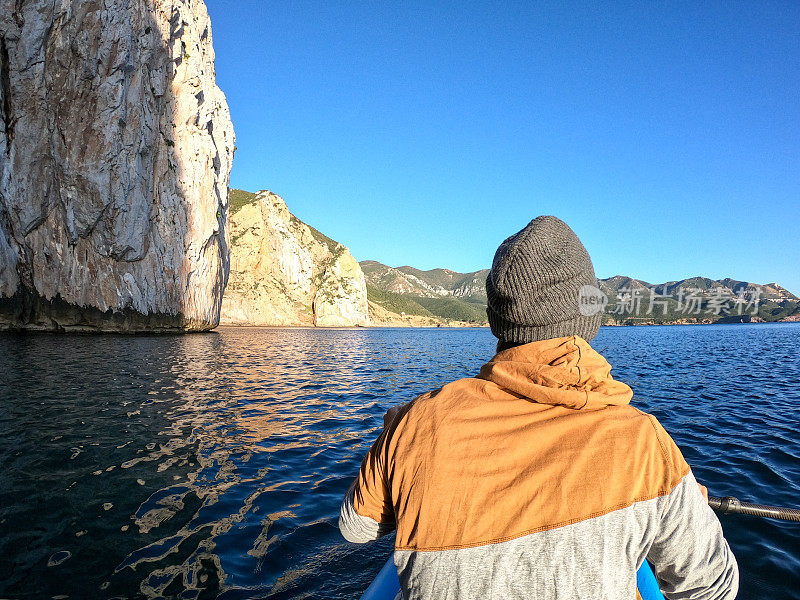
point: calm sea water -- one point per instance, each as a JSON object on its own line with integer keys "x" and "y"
{"x": 212, "y": 466}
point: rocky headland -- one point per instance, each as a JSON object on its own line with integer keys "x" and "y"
{"x": 284, "y": 272}
{"x": 115, "y": 150}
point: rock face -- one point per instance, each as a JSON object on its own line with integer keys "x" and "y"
{"x": 115, "y": 152}
{"x": 284, "y": 272}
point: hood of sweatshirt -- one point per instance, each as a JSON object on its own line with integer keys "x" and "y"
{"x": 563, "y": 371}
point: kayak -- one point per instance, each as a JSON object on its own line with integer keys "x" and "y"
{"x": 386, "y": 585}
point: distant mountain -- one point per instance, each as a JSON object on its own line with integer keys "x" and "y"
{"x": 442, "y": 293}
{"x": 429, "y": 284}
{"x": 438, "y": 293}
{"x": 771, "y": 291}
{"x": 696, "y": 300}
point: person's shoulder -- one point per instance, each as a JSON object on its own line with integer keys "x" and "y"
{"x": 635, "y": 416}
{"x": 650, "y": 423}
{"x": 627, "y": 416}
{"x": 435, "y": 405}
{"x": 655, "y": 437}
{"x": 398, "y": 414}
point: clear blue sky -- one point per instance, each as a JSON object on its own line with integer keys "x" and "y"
{"x": 666, "y": 134}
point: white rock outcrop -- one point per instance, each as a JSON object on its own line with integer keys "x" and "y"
{"x": 115, "y": 150}
{"x": 284, "y": 272}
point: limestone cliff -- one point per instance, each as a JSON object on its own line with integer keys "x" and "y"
{"x": 115, "y": 150}
{"x": 284, "y": 272}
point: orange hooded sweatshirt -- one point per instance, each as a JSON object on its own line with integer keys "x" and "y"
{"x": 537, "y": 479}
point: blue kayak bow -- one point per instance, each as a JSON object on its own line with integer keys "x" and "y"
{"x": 386, "y": 585}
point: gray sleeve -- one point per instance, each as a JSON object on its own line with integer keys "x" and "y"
{"x": 691, "y": 559}
{"x": 356, "y": 528}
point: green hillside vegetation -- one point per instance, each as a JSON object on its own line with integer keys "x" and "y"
{"x": 456, "y": 309}
{"x": 772, "y": 311}
{"x": 239, "y": 198}
{"x": 445, "y": 307}
{"x": 396, "y": 303}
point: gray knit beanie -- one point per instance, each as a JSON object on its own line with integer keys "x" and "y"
{"x": 534, "y": 283}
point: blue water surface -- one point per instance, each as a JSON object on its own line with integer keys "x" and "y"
{"x": 212, "y": 465}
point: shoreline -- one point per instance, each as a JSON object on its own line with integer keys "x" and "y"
{"x": 356, "y": 327}
{"x": 266, "y": 326}
{"x": 167, "y": 333}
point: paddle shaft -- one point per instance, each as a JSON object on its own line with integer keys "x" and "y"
{"x": 730, "y": 505}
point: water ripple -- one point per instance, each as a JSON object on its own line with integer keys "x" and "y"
{"x": 213, "y": 465}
